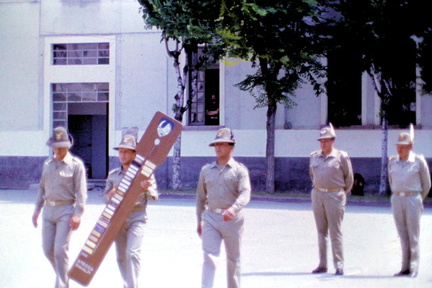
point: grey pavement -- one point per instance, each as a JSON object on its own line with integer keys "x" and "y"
{"x": 279, "y": 246}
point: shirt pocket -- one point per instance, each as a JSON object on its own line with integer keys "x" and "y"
{"x": 66, "y": 173}
{"x": 231, "y": 181}
{"x": 210, "y": 181}
{"x": 315, "y": 162}
{"x": 334, "y": 164}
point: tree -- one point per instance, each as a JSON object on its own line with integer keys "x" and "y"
{"x": 384, "y": 31}
{"x": 184, "y": 24}
{"x": 280, "y": 39}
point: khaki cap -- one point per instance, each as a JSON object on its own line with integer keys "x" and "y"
{"x": 60, "y": 139}
{"x": 224, "y": 135}
{"x": 127, "y": 142}
{"x": 406, "y": 138}
{"x": 327, "y": 132}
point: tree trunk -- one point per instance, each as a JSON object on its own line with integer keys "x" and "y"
{"x": 270, "y": 149}
{"x": 176, "y": 181}
{"x": 384, "y": 158}
{"x": 178, "y": 110}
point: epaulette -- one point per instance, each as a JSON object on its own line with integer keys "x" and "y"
{"x": 242, "y": 165}
{"x": 315, "y": 152}
{"x": 420, "y": 156}
{"x": 77, "y": 159}
{"x": 115, "y": 170}
{"x": 343, "y": 153}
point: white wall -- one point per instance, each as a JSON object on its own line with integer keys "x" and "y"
{"x": 19, "y": 73}
{"x": 60, "y": 17}
{"x": 300, "y": 143}
{"x": 143, "y": 81}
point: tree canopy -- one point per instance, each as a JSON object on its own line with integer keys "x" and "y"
{"x": 287, "y": 41}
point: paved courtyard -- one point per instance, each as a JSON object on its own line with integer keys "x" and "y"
{"x": 279, "y": 247}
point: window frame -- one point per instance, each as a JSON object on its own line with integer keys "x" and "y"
{"x": 92, "y": 53}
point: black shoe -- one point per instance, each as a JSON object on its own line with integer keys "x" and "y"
{"x": 339, "y": 271}
{"x": 413, "y": 274}
{"x": 319, "y": 270}
{"x": 403, "y": 273}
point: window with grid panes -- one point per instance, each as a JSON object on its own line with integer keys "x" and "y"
{"x": 80, "y": 54}
{"x": 65, "y": 93}
{"x": 204, "y": 96}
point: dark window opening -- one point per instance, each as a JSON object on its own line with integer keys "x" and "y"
{"x": 344, "y": 88}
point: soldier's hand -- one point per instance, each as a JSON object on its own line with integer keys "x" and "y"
{"x": 35, "y": 219}
{"x": 111, "y": 193}
{"x": 145, "y": 184}
{"x": 75, "y": 222}
{"x": 228, "y": 214}
{"x": 199, "y": 229}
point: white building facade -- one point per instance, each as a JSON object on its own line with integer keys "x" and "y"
{"x": 93, "y": 67}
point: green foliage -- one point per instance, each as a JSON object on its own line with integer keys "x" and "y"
{"x": 188, "y": 21}
{"x": 383, "y": 32}
{"x": 280, "y": 39}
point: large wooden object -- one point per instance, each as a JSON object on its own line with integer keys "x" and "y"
{"x": 152, "y": 150}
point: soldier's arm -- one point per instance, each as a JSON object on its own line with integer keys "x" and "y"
{"x": 348, "y": 172}
{"x": 424, "y": 177}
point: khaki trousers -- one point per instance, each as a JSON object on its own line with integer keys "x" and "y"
{"x": 329, "y": 209}
{"x": 406, "y": 213}
{"x": 213, "y": 232}
{"x": 56, "y": 235}
{"x": 128, "y": 248}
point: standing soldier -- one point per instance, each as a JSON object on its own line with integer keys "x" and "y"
{"x": 410, "y": 183}
{"x": 62, "y": 195}
{"x": 223, "y": 190}
{"x": 129, "y": 239}
{"x": 332, "y": 179}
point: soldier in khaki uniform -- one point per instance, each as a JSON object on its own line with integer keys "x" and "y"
{"x": 332, "y": 179}
{"x": 62, "y": 195}
{"x": 223, "y": 190}
{"x": 129, "y": 240}
{"x": 410, "y": 183}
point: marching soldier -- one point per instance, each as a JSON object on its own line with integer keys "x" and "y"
{"x": 332, "y": 179}
{"x": 129, "y": 240}
{"x": 410, "y": 183}
{"x": 223, "y": 190}
{"x": 62, "y": 195}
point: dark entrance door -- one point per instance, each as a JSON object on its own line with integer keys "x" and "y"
{"x": 90, "y": 142}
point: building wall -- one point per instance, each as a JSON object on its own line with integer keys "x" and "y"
{"x": 19, "y": 74}
{"x": 142, "y": 81}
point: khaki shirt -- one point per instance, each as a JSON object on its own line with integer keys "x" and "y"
{"x": 113, "y": 180}
{"x": 410, "y": 175}
{"x": 331, "y": 171}
{"x": 62, "y": 181}
{"x": 223, "y": 189}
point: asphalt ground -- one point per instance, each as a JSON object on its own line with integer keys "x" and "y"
{"x": 279, "y": 246}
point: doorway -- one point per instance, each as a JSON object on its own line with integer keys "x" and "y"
{"x": 88, "y": 125}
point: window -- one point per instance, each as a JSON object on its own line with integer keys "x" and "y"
{"x": 204, "y": 97}
{"x": 344, "y": 85}
{"x": 344, "y": 88}
{"x": 80, "y": 54}
{"x": 65, "y": 93}
{"x": 402, "y": 105}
